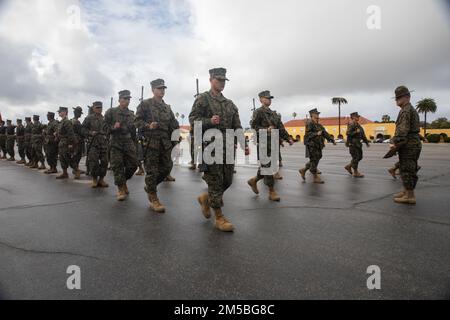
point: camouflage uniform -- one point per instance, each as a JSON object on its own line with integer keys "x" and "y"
{"x": 315, "y": 144}
{"x": 3, "y": 141}
{"x": 51, "y": 145}
{"x": 66, "y": 138}
{"x": 95, "y": 128}
{"x": 407, "y": 138}
{"x": 356, "y": 134}
{"x": 79, "y": 141}
{"x": 219, "y": 177}
{"x": 27, "y": 141}
{"x": 123, "y": 150}
{"x": 10, "y": 140}
{"x": 20, "y": 136}
{"x": 37, "y": 140}
{"x": 263, "y": 118}
{"x": 158, "y": 145}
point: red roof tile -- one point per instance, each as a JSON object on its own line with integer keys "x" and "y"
{"x": 331, "y": 121}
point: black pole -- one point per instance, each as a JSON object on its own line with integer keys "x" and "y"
{"x": 112, "y": 99}
{"x": 142, "y": 94}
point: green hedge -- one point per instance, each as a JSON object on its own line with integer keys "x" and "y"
{"x": 433, "y": 138}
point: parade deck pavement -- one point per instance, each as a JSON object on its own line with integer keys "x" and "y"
{"x": 317, "y": 243}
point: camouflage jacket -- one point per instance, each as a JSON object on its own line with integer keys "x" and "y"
{"x": 206, "y": 106}
{"x": 312, "y": 139}
{"x": 356, "y": 134}
{"x": 264, "y": 117}
{"x": 150, "y": 111}
{"x": 20, "y": 133}
{"x": 36, "y": 130}
{"x": 52, "y": 129}
{"x": 65, "y": 132}
{"x": 407, "y": 125}
{"x": 10, "y": 131}
{"x": 126, "y": 118}
{"x": 95, "y": 129}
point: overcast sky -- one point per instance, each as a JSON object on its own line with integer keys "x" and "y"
{"x": 304, "y": 51}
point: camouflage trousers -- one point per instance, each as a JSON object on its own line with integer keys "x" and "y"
{"x": 158, "y": 165}
{"x": 37, "y": 149}
{"x": 409, "y": 156}
{"x": 10, "y": 143}
{"x": 28, "y": 149}
{"x": 123, "y": 160}
{"x": 51, "y": 153}
{"x": 66, "y": 156}
{"x": 3, "y": 144}
{"x": 78, "y": 151}
{"x": 97, "y": 160}
{"x": 357, "y": 155}
{"x": 219, "y": 178}
{"x": 268, "y": 179}
{"x": 21, "y": 147}
{"x": 314, "y": 155}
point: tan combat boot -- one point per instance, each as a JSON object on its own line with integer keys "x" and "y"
{"x": 140, "y": 171}
{"x": 192, "y": 166}
{"x": 273, "y": 196}
{"x": 318, "y": 180}
{"x": 253, "y": 183}
{"x": 277, "y": 176}
{"x": 392, "y": 172}
{"x": 408, "y": 198}
{"x": 94, "y": 183}
{"x": 121, "y": 195}
{"x": 203, "y": 201}
{"x": 77, "y": 174}
{"x": 63, "y": 175}
{"x": 169, "y": 178}
{"x": 358, "y": 174}
{"x": 101, "y": 183}
{"x": 221, "y": 223}
{"x": 349, "y": 168}
{"x": 53, "y": 170}
{"x": 125, "y": 188}
{"x": 401, "y": 194}
{"x": 303, "y": 173}
{"x": 155, "y": 204}
{"x": 42, "y": 167}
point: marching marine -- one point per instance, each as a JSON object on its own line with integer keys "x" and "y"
{"x": 95, "y": 128}
{"x": 266, "y": 119}
{"x": 155, "y": 119}
{"x": 120, "y": 123}
{"x": 20, "y": 137}
{"x": 66, "y": 143}
{"x": 215, "y": 111}
{"x": 10, "y": 139}
{"x": 355, "y": 137}
{"x": 315, "y": 134}
{"x": 37, "y": 140}
{"x": 51, "y": 145}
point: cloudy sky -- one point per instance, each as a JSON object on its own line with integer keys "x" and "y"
{"x": 68, "y": 53}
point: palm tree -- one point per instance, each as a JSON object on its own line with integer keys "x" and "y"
{"x": 294, "y": 115}
{"x": 182, "y": 119}
{"x": 386, "y": 118}
{"x": 177, "y": 115}
{"x": 424, "y": 106}
{"x": 339, "y": 101}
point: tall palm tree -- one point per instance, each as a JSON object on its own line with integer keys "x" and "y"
{"x": 385, "y": 118}
{"x": 424, "y": 106}
{"x": 339, "y": 101}
{"x": 177, "y": 115}
{"x": 182, "y": 119}
{"x": 294, "y": 115}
